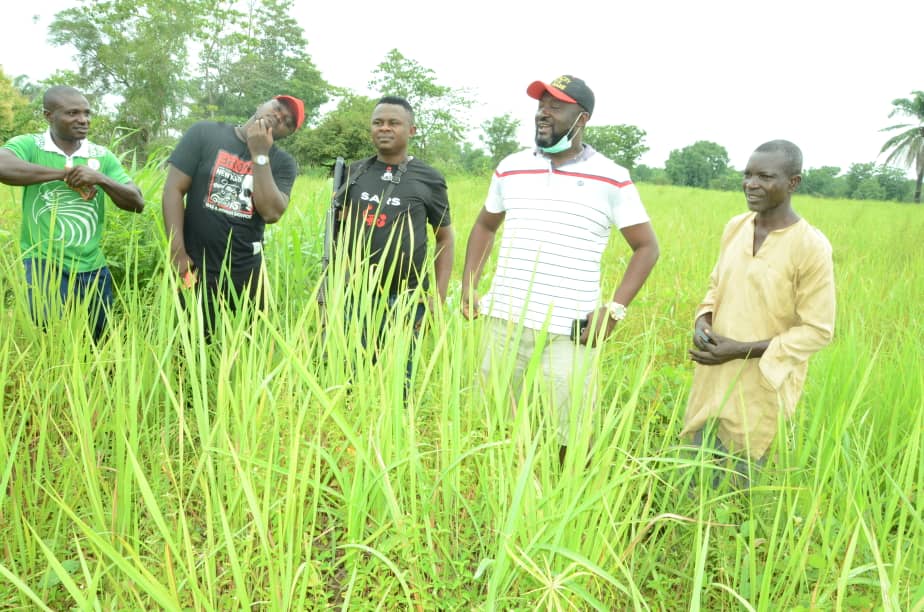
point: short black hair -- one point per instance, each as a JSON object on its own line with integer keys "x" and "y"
{"x": 54, "y": 94}
{"x": 399, "y": 101}
{"x": 790, "y": 151}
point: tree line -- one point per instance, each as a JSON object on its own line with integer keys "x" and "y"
{"x": 158, "y": 66}
{"x": 706, "y": 164}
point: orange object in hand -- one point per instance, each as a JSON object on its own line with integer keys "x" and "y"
{"x": 189, "y": 279}
{"x": 87, "y": 193}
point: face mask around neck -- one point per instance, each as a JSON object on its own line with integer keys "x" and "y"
{"x": 564, "y": 142}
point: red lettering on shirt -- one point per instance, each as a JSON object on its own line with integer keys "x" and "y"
{"x": 233, "y": 163}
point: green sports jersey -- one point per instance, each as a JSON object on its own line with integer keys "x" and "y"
{"x": 57, "y": 223}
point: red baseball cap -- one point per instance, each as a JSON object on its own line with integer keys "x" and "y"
{"x": 296, "y": 106}
{"x": 566, "y": 88}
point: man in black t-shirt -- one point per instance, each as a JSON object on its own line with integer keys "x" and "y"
{"x": 389, "y": 201}
{"x": 234, "y": 180}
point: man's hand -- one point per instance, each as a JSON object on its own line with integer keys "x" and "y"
{"x": 185, "y": 268}
{"x": 470, "y": 305}
{"x": 259, "y": 135}
{"x": 702, "y": 334}
{"x": 182, "y": 262}
{"x": 599, "y": 320}
{"x": 713, "y": 349}
{"x": 83, "y": 180}
{"x": 190, "y": 279}
{"x": 269, "y": 202}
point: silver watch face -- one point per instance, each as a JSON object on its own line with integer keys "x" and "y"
{"x": 261, "y": 160}
{"x": 617, "y": 311}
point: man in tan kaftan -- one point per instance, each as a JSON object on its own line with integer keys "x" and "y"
{"x": 769, "y": 307}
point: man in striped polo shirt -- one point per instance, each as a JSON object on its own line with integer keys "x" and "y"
{"x": 557, "y": 203}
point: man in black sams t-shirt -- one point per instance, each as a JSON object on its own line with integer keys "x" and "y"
{"x": 387, "y": 204}
{"x": 234, "y": 181}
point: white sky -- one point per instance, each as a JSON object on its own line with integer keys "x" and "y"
{"x": 821, "y": 73}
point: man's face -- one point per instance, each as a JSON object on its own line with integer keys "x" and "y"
{"x": 279, "y": 115}
{"x": 766, "y": 183}
{"x": 553, "y": 119}
{"x": 391, "y": 128}
{"x": 69, "y": 117}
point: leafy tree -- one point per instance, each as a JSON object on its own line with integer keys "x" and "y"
{"x": 500, "y": 136}
{"x": 895, "y": 185}
{"x": 624, "y": 144}
{"x": 264, "y": 48}
{"x": 27, "y": 87}
{"x": 436, "y": 107}
{"x": 475, "y": 161}
{"x": 135, "y": 50}
{"x": 343, "y": 132}
{"x": 871, "y": 182}
{"x": 11, "y": 101}
{"x": 823, "y": 182}
{"x": 28, "y": 118}
{"x": 907, "y": 146}
{"x": 647, "y": 174}
{"x": 730, "y": 180}
{"x": 857, "y": 175}
{"x": 697, "y": 164}
{"x": 868, "y": 189}
{"x": 222, "y": 41}
{"x": 25, "y": 101}
{"x": 445, "y": 153}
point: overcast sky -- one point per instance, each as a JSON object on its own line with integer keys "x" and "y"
{"x": 821, "y": 73}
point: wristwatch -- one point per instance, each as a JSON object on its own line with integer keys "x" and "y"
{"x": 261, "y": 160}
{"x": 616, "y": 311}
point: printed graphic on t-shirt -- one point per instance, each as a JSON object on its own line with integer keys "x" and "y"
{"x": 62, "y": 210}
{"x": 374, "y": 214}
{"x": 231, "y": 186}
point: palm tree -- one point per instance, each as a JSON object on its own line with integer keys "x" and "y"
{"x": 908, "y": 145}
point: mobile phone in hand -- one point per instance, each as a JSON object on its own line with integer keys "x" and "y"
{"x": 577, "y": 328}
{"x": 702, "y": 336}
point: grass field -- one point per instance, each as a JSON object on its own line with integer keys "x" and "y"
{"x": 280, "y": 470}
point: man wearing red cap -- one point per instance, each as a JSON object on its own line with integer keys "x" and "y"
{"x": 558, "y": 203}
{"x": 234, "y": 180}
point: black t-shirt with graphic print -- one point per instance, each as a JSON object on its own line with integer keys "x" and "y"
{"x": 393, "y": 234}
{"x": 220, "y": 216}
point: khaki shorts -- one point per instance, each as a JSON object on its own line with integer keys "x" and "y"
{"x": 565, "y": 371}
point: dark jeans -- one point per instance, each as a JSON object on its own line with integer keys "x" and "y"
{"x": 374, "y": 330}
{"x": 59, "y": 288}
{"x": 739, "y": 471}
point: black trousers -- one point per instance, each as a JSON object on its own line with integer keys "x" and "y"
{"x": 228, "y": 292}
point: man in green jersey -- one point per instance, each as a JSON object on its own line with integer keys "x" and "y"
{"x": 66, "y": 179}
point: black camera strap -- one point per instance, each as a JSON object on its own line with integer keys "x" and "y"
{"x": 360, "y": 169}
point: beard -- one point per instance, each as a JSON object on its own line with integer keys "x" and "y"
{"x": 548, "y": 139}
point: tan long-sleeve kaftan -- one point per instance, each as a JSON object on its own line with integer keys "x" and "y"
{"x": 784, "y": 293}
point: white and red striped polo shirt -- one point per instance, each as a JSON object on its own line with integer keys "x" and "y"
{"x": 556, "y": 227}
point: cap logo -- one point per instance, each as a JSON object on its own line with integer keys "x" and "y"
{"x": 561, "y": 82}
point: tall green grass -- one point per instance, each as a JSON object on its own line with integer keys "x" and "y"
{"x": 282, "y": 468}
